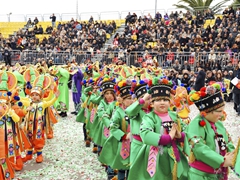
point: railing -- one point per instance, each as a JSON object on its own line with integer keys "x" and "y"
{"x": 165, "y": 60}
{"x": 111, "y": 15}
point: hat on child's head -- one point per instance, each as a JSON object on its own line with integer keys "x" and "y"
{"x": 160, "y": 88}
{"x": 138, "y": 89}
{"x": 208, "y": 98}
{"x": 123, "y": 88}
{"x": 107, "y": 84}
{"x": 41, "y": 83}
{"x": 30, "y": 75}
{"x": 89, "y": 70}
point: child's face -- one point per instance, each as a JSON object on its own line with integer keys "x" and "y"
{"x": 35, "y": 97}
{"x": 161, "y": 105}
{"x": 127, "y": 101}
{"x": 108, "y": 95}
{"x": 215, "y": 115}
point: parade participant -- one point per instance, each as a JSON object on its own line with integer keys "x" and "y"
{"x": 116, "y": 150}
{"x": 136, "y": 112}
{"x": 62, "y": 103}
{"x": 82, "y": 114}
{"x": 210, "y": 143}
{"x": 51, "y": 116}
{"x": 181, "y": 103}
{"x": 77, "y": 77}
{"x": 34, "y": 121}
{"x": 9, "y": 149}
{"x": 161, "y": 155}
{"x": 20, "y": 83}
{"x": 100, "y": 129}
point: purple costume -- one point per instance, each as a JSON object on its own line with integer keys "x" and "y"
{"x": 77, "y": 87}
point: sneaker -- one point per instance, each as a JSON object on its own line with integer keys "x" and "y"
{"x": 63, "y": 114}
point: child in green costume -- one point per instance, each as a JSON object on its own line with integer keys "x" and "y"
{"x": 210, "y": 143}
{"x": 116, "y": 150}
{"x": 136, "y": 112}
{"x": 161, "y": 155}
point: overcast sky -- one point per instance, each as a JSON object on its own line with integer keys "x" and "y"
{"x": 34, "y": 8}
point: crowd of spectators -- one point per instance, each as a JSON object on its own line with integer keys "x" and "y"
{"x": 168, "y": 39}
{"x": 73, "y": 37}
{"x": 179, "y": 36}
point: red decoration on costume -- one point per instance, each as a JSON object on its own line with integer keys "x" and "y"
{"x": 203, "y": 89}
{"x": 165, "y": 81}
{"x": 203, "y": 93}
{"x": 150, "y": 83}
{"x": 202, "y": 123}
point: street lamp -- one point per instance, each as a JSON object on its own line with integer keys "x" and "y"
{"x": 77, "y": 9}
{"x": 9, "y": 16}
{"x": 155, "y": 7}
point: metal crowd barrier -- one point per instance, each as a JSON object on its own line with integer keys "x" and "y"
{"x": 141, "y": 58}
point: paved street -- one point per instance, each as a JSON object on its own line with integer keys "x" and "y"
{"x": 66, "y": 157}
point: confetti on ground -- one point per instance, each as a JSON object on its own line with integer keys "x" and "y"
{"x": 66, "y": 157}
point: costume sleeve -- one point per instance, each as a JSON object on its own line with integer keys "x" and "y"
{"x": 115, "y": 126}
{"x": 201, "y": 151}
{"x": 96, "y": 99}
{"x": 49, "y": 103}
{"x": 87, "y": 90}
{"x": 50, "y": 96}
{"x": 64, "y": 73}
{"x": 102, "y": 114}
{"x": 147, "y": 133}
{"x": 13, "y": 115}
{"x": 26, "y": 101}
{"x": 230, "y": 146}
{"x": 134, "y": 109}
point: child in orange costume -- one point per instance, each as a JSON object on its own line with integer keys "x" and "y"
{"x": 34, "y": 122}
{"x": 182, "y": 104}
{"x": 22, "y": 139}
{"x": 51, "y": 115}
{"x": 8, "y": 118}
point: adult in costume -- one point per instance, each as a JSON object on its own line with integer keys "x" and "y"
{"x": 62, "y": 103}
{"x": 77, "y": 77}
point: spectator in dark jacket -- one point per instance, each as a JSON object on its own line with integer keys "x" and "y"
{"x": 236, "y": 90}
{"x": 200, "y": 80}
{"x": 185, "y": 80}
{"x": 7, "y": 56}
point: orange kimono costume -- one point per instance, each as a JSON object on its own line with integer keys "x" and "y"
{"x": 181, "y": 104}
{"x": 51, "y": 115}
{"x": 34, "y": 121}
{"x": 8, "y": 118}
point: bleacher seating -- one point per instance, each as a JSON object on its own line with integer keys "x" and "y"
{"x": 8, "y": 28}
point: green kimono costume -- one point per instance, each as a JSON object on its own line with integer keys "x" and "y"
{"x": 136, "y": 114}
{"x": 94, "y": 101}
{"x": 110, "y": 154}
{"x": 82, "y": 114}
{"x": 204, "y": 147}
{"x": 100, "y": 128}
{"x": 20, "y": 83}
{"x": 62, "y": 103}
{"x": 166, "y": 165}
